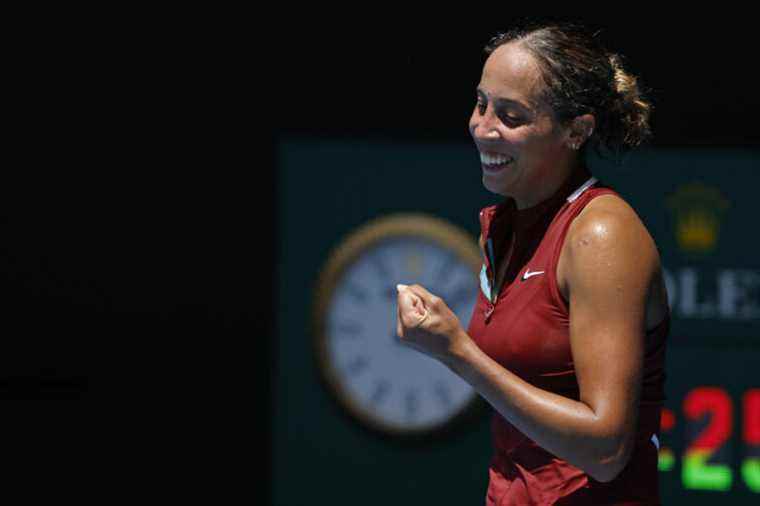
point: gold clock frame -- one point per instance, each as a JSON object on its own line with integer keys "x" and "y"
{"x": 416, "y": 225}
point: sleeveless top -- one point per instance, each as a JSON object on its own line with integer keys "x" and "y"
{"x": 524, "y": 326}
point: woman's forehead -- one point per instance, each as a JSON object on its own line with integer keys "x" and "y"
{"x": 511, "y": 72}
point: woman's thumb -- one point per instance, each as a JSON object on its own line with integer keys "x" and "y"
{"x": 411, "y": 301}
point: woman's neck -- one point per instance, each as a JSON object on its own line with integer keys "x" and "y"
{"x": 550, "y": 187}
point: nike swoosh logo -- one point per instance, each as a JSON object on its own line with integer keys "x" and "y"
{"x": 529, "y": 274}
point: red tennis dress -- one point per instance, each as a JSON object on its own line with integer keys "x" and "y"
{"x": 525, "y": 328}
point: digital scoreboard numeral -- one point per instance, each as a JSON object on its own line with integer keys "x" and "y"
{"x": 697, "y": 472}
{"x": 708, "y": 413}
{"x": 751, "y": 433}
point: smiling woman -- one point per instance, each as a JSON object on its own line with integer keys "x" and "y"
{"x": 567, "y": 338}
{"x": 545, "y": 94}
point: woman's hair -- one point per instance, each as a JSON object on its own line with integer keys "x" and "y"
{"x": 581, "y": 77}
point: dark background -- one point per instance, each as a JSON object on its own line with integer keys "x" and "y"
{"x": 137, "y": 212}
{"x": 411, "y": 79}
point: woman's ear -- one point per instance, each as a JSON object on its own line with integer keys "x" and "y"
{"x": 581, "y": 128}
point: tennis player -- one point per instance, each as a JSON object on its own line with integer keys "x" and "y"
{"x": 567, "y": 338}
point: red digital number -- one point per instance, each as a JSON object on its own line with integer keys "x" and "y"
{"x": 751, "y": 434}
{"x": 696, "y": 472}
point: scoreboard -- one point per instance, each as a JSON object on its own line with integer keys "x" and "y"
{"x": 710, "y": 427}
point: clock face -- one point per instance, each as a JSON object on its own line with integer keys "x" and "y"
{"x": 379, "y": 380}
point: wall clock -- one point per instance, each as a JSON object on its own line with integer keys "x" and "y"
{"x": 381, "y": 383}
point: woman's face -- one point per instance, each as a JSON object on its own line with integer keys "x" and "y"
{"x": 519, "y": 139}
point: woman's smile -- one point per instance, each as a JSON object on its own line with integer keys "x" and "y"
{"x": 495, "y": 162}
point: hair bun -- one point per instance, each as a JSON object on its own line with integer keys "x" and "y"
{"x": 634, "y": 108}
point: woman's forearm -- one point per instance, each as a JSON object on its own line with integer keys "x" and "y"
{"x": 569, "y": 429}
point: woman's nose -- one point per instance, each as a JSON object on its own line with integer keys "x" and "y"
{"x": 485, "y": 130}
{"x": 485, "y": 125}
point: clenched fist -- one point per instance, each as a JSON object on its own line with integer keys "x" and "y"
{"x": 426, "y": 323}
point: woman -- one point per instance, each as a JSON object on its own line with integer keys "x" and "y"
{"x": 567, "y": 338}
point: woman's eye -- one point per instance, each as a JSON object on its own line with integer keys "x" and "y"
{"x": 481, "y": 108}
{"x": 512, "y": 120}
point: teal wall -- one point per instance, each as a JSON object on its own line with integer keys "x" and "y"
{"x": 327, "y": 188}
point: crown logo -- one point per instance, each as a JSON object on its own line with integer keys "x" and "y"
{"x": 698, "y": 210}
{"x": 697, "y": 231}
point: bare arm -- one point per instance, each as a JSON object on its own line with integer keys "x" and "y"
{"x": 609, "y": 259}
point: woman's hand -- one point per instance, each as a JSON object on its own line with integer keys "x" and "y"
{"x": 426, "y": 323}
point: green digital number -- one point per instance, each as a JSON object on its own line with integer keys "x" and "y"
{"x": 751, "y": 473}
{"x": 697, "y": 474}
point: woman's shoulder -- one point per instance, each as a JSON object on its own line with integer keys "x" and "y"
{"x": 606, "y": 205}
{"x": 609, "y": 222}
{"x": 607, "y": 247}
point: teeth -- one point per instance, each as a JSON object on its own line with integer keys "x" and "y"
{"x": 494, "y": 159}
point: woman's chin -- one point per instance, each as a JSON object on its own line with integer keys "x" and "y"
{"x": 496, "y": 189}
{"x": 495, "y": 183}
